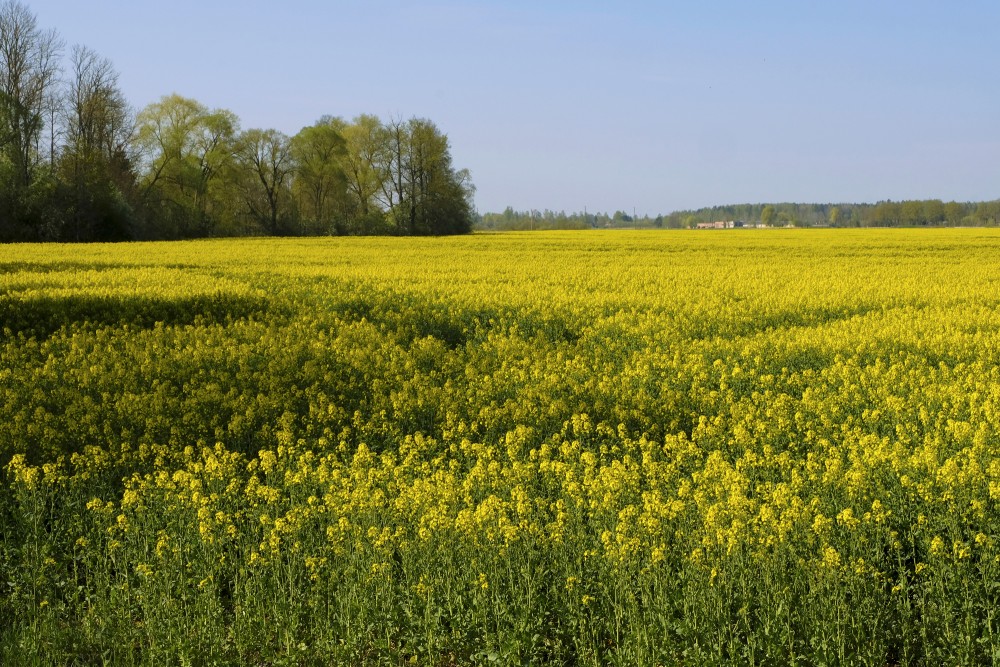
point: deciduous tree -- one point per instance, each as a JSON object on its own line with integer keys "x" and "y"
{"x": 29, "y": 68}
{"x": 184, "y": 149}
{"x": 367, "y": 147}
{"x": 767, "y": 216}
{"x": 264, "y": 159}
{"x": 96, "y": 164}
{"x": 320, "y": 184}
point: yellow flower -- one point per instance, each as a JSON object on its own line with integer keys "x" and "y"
{"x": 657, "y": 555}
{"x": 162, "y": 544}
{"x": 937, "y": 546}
{"x": 821, "y": 524}
{"x": 130, "y": 497}
{"x": 847, "y": 519}
{"x": 831, "y": 558}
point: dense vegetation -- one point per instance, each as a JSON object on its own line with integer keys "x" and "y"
{"x": 76, "y": 164}
{"x": 739, "y": 449}
{"x": 911, "y": 213}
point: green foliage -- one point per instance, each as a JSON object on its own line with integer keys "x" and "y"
{"x": 320, "y": 185}
{"x": 767, "y": 216}
{"x": 511, "y": 220}
{"x": 180, "y": 170}
{"x": 913, "y": 213}
{"x": 186, "y": 153}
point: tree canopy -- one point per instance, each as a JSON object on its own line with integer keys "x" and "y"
{"x": 78, "y": 163}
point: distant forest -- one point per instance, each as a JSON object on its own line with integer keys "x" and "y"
{"x": 78, "y": 164}
{"x": 912, "y": 213}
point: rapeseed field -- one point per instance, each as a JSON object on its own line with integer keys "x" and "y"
{"x": 745, "y": 447}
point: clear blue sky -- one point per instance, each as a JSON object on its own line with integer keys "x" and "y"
{"x": 655, "y": 106}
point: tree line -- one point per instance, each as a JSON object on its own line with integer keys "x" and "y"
{"x": 533, "y": 219}
{"x": 77, "y": 163}
{"x": 909, "y": 213}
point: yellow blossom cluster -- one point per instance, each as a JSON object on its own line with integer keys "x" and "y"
{"x": 631, "y": 448}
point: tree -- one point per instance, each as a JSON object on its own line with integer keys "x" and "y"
{"x": 426, "y": 195}
{"x": 885, "y": 214}
{"x": 953, "y": 213}
{"x": 933, "y": 212}
{"x": 96, "y": 162}
{"x": 834, "y": 216}
{"x": 988, "y": 212}
{"x": 395, "y": 170}
{"x": 28, "y": 75}
{"x": 321, "y": 183}
{"x": 184, "y": 149}
{"x": 911, "y": 213}
{"x": 767, "y": 216}
{"x": 365, "y": 160}
{"x": 264, "y": 158}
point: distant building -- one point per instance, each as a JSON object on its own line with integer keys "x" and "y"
{"x": 720, "y": 224}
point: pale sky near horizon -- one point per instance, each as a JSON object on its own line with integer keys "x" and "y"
{"x": 652, "y": 106}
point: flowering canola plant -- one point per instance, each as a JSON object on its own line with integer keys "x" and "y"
{"x": 760, "y": 448}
